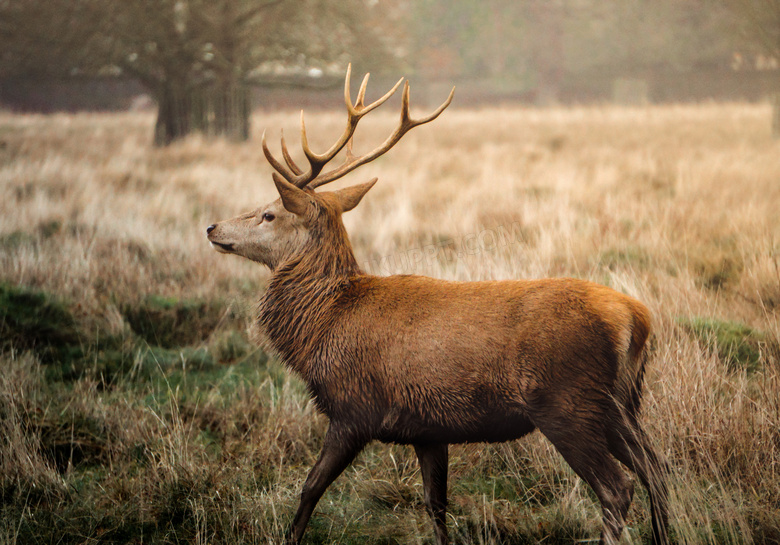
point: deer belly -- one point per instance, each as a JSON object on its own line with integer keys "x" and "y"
{"x": 486, "y": 424}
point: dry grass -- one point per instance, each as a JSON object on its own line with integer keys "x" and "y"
{"x": 134, "y": 440}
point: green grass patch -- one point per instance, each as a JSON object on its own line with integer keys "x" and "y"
{"x": 35, "y": 320}
{"x": 16, "y": 239}
{"x": 527, "y": 488}
{"x": 165, "y": 336}
{"x": 43, "y": 231}
{"x": 630, "y": 257}
{"x": 231, "y": 346}
{"x": 194, "y": 385}
{"x": 170, "y": 322}
{"x": 738, "y": 345}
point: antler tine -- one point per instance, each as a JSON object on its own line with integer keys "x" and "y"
{"x": 437, "y": 111}
{"x": 381, "y": 100}
{"x": 362, "y": 93}
{"x": 316, "y": 162}
{"x": 359, "y": 105}
{"x": 278, "y": 167}
{"x": 406, "y": 124}
{"x": 288, "y": 158}
{"x": 406, "y": 118}
{"x": 348, "y": 149}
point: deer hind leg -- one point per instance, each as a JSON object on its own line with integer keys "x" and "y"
{"x": 629, "y": 444}
{"x": 433, "y": 466}
{"x": 584, "y": 447}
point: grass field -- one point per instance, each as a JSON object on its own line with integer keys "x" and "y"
{"x": 134, "y": 407}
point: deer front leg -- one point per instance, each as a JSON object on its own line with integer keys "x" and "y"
{"x": 337, "y": 453}
{"x": 433, "y": 466}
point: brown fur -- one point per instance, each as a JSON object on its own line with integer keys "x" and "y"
{"x": 414, "y": 360}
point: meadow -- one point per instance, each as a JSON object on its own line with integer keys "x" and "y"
{"x": 135, "y": 407}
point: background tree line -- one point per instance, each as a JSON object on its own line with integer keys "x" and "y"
{"x": 197, "y": 57}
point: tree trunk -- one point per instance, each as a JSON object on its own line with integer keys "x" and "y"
{"x": 216, "y": 109}
{"x": 225, "y": 110}
{"x": 174, "y": 114}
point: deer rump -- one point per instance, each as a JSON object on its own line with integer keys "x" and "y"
{"x": 454, "y": 362}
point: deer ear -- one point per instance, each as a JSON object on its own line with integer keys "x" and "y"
{"x": 349, "y": 197}
{"x": 294, "y": 199}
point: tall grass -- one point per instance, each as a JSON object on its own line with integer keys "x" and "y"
{"x": 135, "y": 408}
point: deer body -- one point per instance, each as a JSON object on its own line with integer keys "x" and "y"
{"x": 426, "y": 362}
{"x": 410, "y": 359}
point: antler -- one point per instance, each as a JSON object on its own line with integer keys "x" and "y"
{"x": 312, "y": 178}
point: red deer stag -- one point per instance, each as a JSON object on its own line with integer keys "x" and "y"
{"x": 426, "y": 362}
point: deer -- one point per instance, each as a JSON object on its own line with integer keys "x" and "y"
{"x": 426, "y": 362}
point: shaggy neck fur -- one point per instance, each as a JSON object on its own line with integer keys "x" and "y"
{"x": 299, "y": 305}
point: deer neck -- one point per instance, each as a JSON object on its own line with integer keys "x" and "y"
{"x": 298, "y": 306}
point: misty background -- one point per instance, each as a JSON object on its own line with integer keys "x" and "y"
{"x": 204, "y": 65}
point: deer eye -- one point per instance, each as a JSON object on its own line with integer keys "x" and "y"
{"x": 267, "y": 216}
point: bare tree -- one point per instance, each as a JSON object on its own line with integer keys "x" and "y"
{"x": 193, "y": 55}
{"x": 196, "y": 57}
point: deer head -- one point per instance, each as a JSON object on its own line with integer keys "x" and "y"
{"x": 279, "y": 231}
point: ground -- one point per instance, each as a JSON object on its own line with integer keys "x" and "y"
{"x": 138, "y": 410}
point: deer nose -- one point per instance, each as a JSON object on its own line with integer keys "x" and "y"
{"x": 210, "y": 228}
